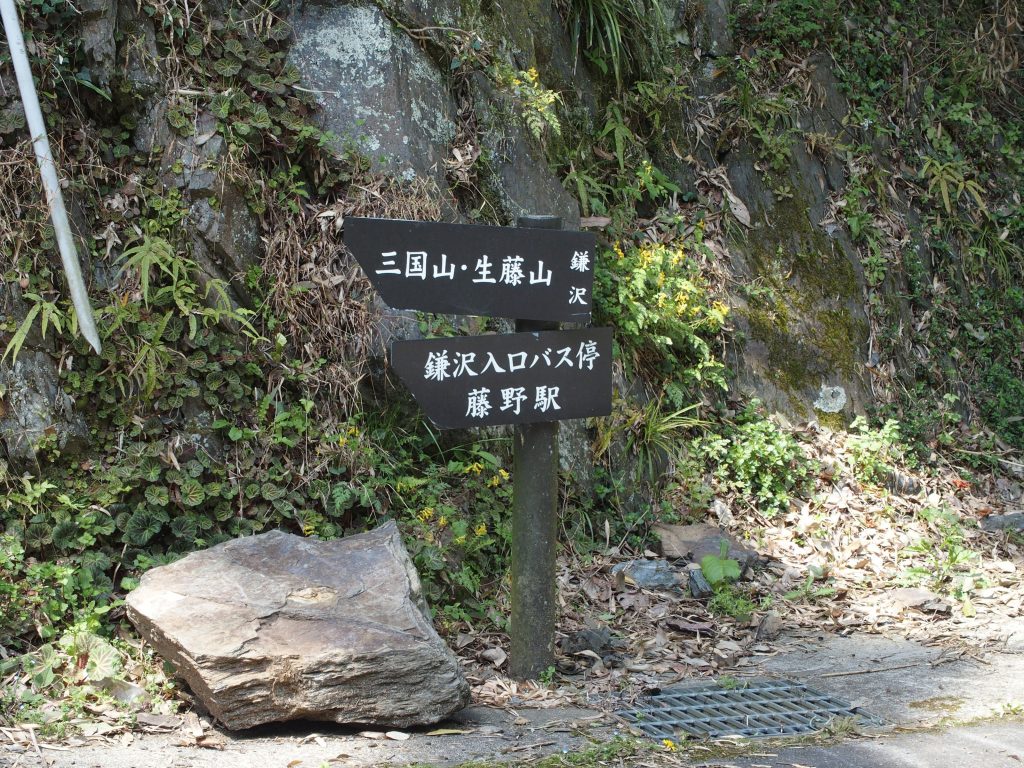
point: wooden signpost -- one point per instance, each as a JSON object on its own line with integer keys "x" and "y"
{"x": 539, "y": 275}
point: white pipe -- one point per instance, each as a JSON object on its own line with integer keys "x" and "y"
{"x": 48, "y": 169}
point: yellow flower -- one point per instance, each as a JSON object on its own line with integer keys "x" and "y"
{"x": 480, "y": 530}
{"x": 442, "y": 521}
{"x": 425, "y": 514}
{"x": 354, "y": 431}
{"x": 459, "y": 540}
{"x": 494, "y": 482}
{"x": 669, "y": 745}
{"x": 476, "y": 467}
{"x": 504, "y": 475}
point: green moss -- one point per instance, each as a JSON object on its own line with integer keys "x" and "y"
{"x": 839, "y": 335}
{"x": 802, "y": 311}
{"x": 834, "y": 421}
{"x": 792, "y": 365}
{"x": 946, "y": 704}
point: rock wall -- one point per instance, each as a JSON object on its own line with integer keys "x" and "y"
{"x": 802, "y": 330}
{"x": 380, "y": 73}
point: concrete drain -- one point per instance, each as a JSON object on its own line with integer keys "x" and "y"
{"x": 760, "y": 709}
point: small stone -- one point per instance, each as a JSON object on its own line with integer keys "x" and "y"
{"x": 699, "y": 586}
{"x": 769, "y": 627}
{"x": 897, "y": 482}
{"x": 600, "y": 640}
{"x": 648, "y": 574}
{"x": 722, "y": 513}
{"x": 936, "y": 606}
{"x": 726, "y": 652}
{"x": 907, "y": 597}
{"x": 1011, "y": 522}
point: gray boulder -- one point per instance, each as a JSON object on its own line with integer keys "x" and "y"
{"x": 278, "y": 627}
{"x": 520, "y": 180}
{"x": 377, "y": 90}
{"x": 35, "y": 411}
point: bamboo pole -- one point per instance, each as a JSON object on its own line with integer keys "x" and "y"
{"x": 48, "y": 170}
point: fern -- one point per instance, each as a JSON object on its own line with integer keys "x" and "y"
{"x": 153, "y": 254}
{"x": 49, "y": 314}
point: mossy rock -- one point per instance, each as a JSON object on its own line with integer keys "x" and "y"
{"x": 800, "y": 315}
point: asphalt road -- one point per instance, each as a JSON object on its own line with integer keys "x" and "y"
{"x": 998, "y": 744}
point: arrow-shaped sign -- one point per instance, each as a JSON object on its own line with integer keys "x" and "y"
{"x": 518, "y": 378}
{"x": 467, "y": 269}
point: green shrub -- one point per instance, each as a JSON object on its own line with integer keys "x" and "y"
{"x": 874, "y": 452}
{"x": 38, "y": 599}
{"x": 790, "y": 22}
{"x": 758, "y": 460}
{"x": 663, "y": 312}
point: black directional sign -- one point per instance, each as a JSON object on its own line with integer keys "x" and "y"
{"x": 529, "y": 274}
{"x": 520, "y": 378}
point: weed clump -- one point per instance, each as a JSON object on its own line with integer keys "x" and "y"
{"x": 755, "y": 458}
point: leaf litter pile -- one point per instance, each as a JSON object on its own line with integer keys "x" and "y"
{"x": 908, "y": 558}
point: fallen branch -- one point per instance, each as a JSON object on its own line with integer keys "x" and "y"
{"x": 872, "y": 671}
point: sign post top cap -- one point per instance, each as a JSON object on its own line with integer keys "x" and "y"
{"x": 540, "y": 222}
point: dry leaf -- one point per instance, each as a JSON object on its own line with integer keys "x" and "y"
{"x": 719, "y": 180}
{"x": 496, "y": 656}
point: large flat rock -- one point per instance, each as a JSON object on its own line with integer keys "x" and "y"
{"x": 279, "y": 627}
{"x": 695, "y": 542}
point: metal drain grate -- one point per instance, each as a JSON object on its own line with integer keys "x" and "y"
{"x": 772, "y": 708}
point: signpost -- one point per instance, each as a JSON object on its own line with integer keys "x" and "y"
{"x": 517, "y": 378}
{"x": 534, "y": 378}
{"x": 467, "y": 269}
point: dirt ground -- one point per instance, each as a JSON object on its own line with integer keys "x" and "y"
{"x": 911, "y": 685}
{"x": 893, "y": 598}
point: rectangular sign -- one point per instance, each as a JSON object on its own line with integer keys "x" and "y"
{"x": 520, "y": 378}
{"x": 467, "y": 269}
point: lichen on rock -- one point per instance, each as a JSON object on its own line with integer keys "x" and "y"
{"x": 379, "y": 93}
